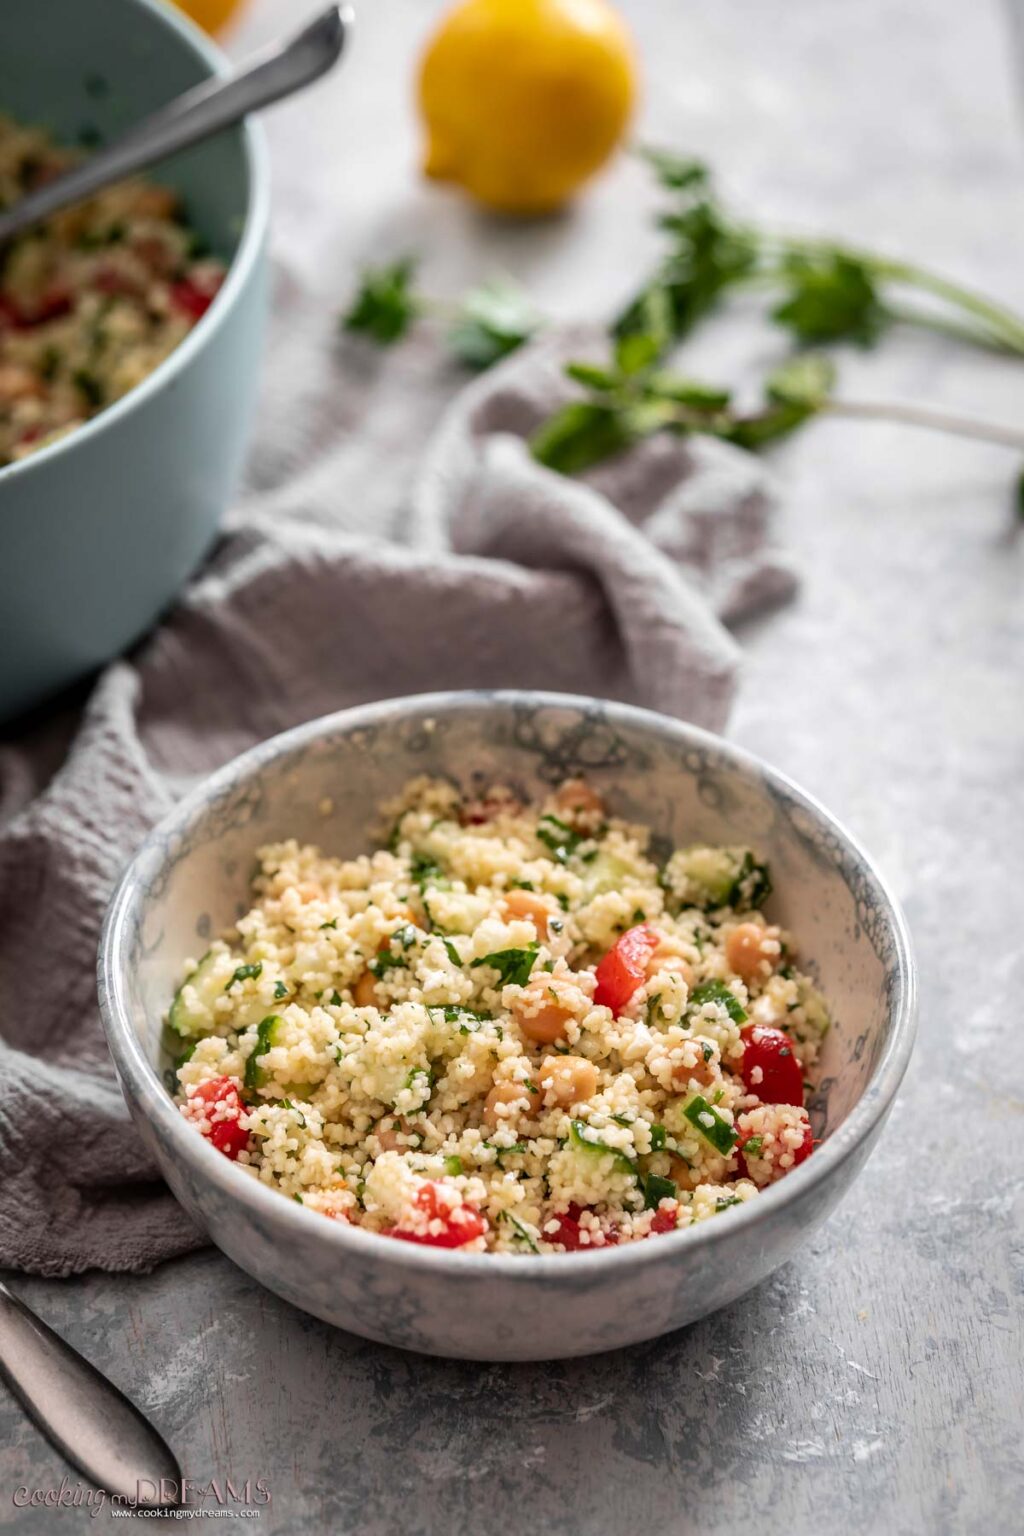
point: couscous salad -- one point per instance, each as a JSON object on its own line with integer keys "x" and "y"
{"x": 510, "y": 1029}
{"x": 92, "y": 300}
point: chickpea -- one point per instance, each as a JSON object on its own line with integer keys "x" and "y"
{"x": 703, "y": 1072}
{"x": 17, "y": 383}
{"x": 569, "y": 1079}
{"x": 748, "y": 947}
{"x": 364, "y": 993}
{"x": 676, "y": 965}
{"x": 524, "y": 904}
{"x": 151, "y": 201}
{"x": 683, "y": 1175}
{"x": 509, "y": 1094}
{"x": 576, "y": 800}
{"x": 544, "y": 1026}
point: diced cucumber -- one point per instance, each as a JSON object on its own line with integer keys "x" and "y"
{"x": 711, "y": 1124}
{"x": 584, "y": 1142}
{"x": 606, "y": 872}
{"x": 657, "y": 1189}
{"x": 192, "y": 1009}
{"x": 817, "y": 1020}
{"x": 717, "y": 877}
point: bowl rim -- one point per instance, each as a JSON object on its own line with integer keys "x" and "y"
{"x": 150, "y": 1097}
{"x": 247, "y": 253}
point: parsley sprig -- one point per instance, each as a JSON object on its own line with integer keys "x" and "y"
{"x": 824, "y": 292}
{"x": 488, "y": 323}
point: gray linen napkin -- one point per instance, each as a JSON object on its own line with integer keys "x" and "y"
{"x": 364, "y": 561}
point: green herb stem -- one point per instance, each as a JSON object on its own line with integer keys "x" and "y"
{"x": 933, "y": 420}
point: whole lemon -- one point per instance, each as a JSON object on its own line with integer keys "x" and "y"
{"x": 524, "y": 99}
{"x": 210, "y": 14}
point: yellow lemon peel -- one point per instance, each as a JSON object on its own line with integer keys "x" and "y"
{"x": 523, "y": 100}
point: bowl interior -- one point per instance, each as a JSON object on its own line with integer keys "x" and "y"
{"x": 323, "y": 783}
{"x": 87, "y": 72}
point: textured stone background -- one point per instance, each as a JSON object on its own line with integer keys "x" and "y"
{"x": 874, "y": 1385}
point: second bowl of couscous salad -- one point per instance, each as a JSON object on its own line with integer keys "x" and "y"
{"x": 517, "y": 1027}
{"x": 131, "y": 328}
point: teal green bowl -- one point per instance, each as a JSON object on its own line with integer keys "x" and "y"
{"x": 99, "y": 531}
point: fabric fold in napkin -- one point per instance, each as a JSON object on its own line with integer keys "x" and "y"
{"x": 395, "y": 537}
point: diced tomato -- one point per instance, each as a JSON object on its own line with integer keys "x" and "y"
{"x": 189, "y": 299}
{"x": 110, "y": 279}
{"x": 805, "y": 1148}
{"x": 223, "y": 1109}
{"x": 569, "y": 1231}
{"x": 497, "y": 801}
{"x": 10, "y": 315}
{"x": 664, "y": 1221}
{"x": 462, "y": 1223}
{"x": 53, "y": 303}
{"x": 779, "y": 1079}
{"x": 624, "y": 967}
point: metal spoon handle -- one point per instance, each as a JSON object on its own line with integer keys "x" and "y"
{"x": 205, "y": 109}
{"x": 90, "y": 1422}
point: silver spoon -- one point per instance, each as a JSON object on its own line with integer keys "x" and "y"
{"x": 81, "y": 1412}
{"x": 205, "y": 109}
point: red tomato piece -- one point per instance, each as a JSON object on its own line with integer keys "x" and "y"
{"x": 10, "y": 314}
{"x": 224, "y": 1109}
{"x": 770, "y": 1069}
{"x": 624, "y": 967}
{"x": 462, "y": 1224}
{"x": 805, "y": 1148}
{"x": 569, "y": 1231}
{"x": 54, "y": 302}
{"x": 664, "y": 1221}
{"x": 189, "y": 299}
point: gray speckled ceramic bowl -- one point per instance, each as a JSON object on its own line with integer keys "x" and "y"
{"x": 189, "y": 881}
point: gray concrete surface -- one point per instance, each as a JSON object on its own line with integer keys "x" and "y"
{"x": 874, "y": 1385}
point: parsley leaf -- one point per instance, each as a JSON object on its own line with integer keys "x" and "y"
{"x": 424, "y": 870}
{"x": 829, "y": 297}
{"x": 558, "y": 837}
{"x": 718, "y": 992}
{"x": 385, "y": 305}
{"x": 512, "y": 965}
{"x": 246, "y": 973}
{"x": 583, "y": 433}
{"x": 491, "y": 321}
